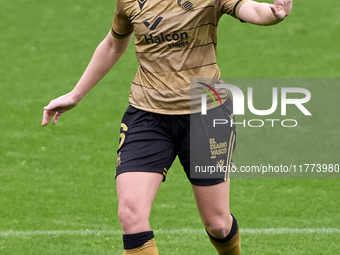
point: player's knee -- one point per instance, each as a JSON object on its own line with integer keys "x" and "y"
{"x": 129, "y": 216}
{"x": 218, "y": 227}
{"x": 126, "y": 214}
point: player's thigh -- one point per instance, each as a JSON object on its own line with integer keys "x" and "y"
{"x": 212, "y": 201}
{"x": 138, "y": 188}
{"x": 213, "y": 205}
{"x": 136, "y": 192}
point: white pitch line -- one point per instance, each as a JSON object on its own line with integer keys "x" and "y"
{"x": 245, "y": 231}
{"x": 289, "y": 231}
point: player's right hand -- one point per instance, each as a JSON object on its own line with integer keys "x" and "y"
{"x": 57, "y": 107}
{"x": 281, "y": 8}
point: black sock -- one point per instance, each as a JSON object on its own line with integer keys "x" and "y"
{"x": 132, "y": 241}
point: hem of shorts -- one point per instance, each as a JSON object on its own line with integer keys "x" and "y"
{"x": 218, "y": 181}
{"x": 138, "y": 170}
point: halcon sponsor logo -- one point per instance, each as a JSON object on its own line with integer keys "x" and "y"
{"x": 164, "y": 37}
{"x": 175, "y": 39}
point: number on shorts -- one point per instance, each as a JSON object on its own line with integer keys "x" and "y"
{"x": 124, "y": 128}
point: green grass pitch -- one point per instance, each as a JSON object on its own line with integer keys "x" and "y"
{"x": 57, "y": 187}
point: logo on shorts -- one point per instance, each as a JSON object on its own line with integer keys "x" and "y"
{"x": 220, "y": 163}
{"x": 119, "y": 161}
{"x": 217, "y": 149}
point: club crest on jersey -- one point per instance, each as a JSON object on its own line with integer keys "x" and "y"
{"x": 185, "y": 4}
{"x": 141, "y": 3}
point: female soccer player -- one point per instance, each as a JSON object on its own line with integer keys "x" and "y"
{"x": 175, "y": 41}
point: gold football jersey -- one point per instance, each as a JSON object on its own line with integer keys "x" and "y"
{"x": 175, "y": 40}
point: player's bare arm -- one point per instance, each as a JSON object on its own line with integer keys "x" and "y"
{"x": 265, "y": 14}
{"x": 106, "y": 55}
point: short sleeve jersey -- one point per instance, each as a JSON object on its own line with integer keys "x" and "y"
{"x": 175, "y": 40}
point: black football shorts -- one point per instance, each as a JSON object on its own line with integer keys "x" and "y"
{"x": 150, "y": 142}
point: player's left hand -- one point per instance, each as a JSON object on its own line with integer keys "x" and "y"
{"x": 281, "y": 8}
